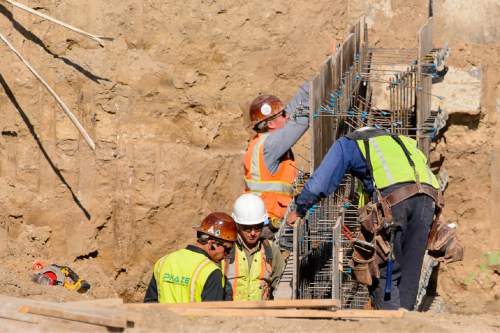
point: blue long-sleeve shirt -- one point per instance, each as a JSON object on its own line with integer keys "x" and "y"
{"x": 342, "y": 157}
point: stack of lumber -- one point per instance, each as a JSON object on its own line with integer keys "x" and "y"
{"x": 26, "y": 315}
{"x": 303, "y": 308}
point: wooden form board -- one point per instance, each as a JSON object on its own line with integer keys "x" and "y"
{"x": 339, "y": 74}
{"x": 332, "y": 76}
{"x": 424, "y": 84}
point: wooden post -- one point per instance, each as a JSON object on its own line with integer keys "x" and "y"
{"x": 98, "y": 39}
{"x": 63, "y": 106}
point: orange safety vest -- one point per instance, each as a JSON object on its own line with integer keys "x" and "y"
{"x": 275, "y": 189}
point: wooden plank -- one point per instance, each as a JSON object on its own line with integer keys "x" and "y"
{"x": 326, "y": 88}
{"x": 97, "y": 316}
{"x": 52, "y": 325}
{"x": 296, "y": 261}
{"x": 348, "y": 53}
{"x": 315, "y": 102}
{"x": 275, "y": 304}
{"x": 291, "y": 313}
{"x": 97, "y": 302}
{"x": 10, "y": 317}
{"x": 424, "y": 84}
{"x": 312, "y": 126}
{"x": 16, "y": 316}
{"x": 14, "y": 326}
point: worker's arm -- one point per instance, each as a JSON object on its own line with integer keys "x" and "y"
{"x": 281, "y": 140}
{"x": 278, "y": 266}
{"x": 213, "y": 291}
{"x": 343, "y": 156}
{"x": 152, "y": 292}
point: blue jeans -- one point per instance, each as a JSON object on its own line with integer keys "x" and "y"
{"x": 413, "y": 218}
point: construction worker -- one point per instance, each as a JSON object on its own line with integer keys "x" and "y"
{"x": 193, "y": 274}
{"x": 395, "y": 174}
{"x": 255, "y": 265}
{"x": 269, "y": 162}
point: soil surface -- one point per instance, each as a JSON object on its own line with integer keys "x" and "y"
{"x": 166, "y": 103}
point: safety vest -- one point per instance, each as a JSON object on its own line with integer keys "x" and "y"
{"x": 275, "y": 189}
{"x": 181, "y": 276}
{"x": 249, "y": 281}
{"x": 391, "y": 165}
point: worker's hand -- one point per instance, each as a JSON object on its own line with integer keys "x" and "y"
{"x": 292, "y": 218}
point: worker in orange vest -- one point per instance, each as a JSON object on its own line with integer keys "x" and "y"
{"x": 269, "y": 162}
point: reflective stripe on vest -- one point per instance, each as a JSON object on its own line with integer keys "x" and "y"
{"x": 390, "y": 164}
{"x": 268, "y": 186}
{"x": 248, "y": 284}
{"x": 382, "y": 159}
{"x": 181, "y": 276}
{"x": 195, "y": 278}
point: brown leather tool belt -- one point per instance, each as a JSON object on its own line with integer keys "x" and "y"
{"x": 409, "y": 191}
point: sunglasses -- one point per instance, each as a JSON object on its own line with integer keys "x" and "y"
{"x": 279, "y": 114}
{"x": 227, "y": 248}
{"x": 249, "y": 228}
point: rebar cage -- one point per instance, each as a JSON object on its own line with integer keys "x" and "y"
{"x": 357, "y": 86}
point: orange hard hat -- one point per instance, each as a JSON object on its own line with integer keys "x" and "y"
{"x": 264, "y": 107}
{"x": 219, "y": 225}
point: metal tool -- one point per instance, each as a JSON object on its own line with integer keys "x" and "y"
{"x": 390, "y": 265}
{"x": 55, "y": 275}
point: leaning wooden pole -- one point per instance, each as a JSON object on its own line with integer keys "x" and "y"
{"x": 98, "y": 39}
{"x": 63, "y": 106}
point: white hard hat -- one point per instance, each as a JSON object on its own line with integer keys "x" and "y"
{"x": 249, "y": 209}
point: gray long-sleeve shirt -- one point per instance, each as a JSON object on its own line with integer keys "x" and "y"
{"x": 280, "y": 141}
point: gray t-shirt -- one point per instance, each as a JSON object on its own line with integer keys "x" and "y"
{"x": 279, "y": 142}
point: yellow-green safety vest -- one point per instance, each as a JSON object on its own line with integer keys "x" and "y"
{"x": 249, "y": 283}
{"x": 391, "y": 166}
{"x": 180, "y": 276}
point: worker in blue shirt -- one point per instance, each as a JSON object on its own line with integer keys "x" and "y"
{"x": 394, "y": 171}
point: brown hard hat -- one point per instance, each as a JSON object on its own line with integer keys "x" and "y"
{"x": 264, "y": 107}
{"x": 219, "y": 225}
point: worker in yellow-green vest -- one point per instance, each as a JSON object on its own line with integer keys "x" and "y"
{"x": 255, "y": 265}
{"x": 193, "y": 274}
{"x": 405, "y": 196}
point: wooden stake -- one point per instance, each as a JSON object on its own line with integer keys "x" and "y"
{"x": 98, "y": 39}
{"x": 63, "y": 106}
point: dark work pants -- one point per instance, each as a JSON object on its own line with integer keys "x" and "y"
{"x": 413, "y": 217}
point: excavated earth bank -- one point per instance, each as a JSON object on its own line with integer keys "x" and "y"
{"x": 166, "y": 104}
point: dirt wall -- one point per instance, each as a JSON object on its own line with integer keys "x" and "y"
{"x": 166, "y": 104}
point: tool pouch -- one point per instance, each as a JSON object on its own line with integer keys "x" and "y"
{"x": 443, "y": 243}
{"x": 383, "y": 248}
{"x": 362, "y": 260}
{"x": 375, "y": 215}
{"x": 370, "y": 217}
